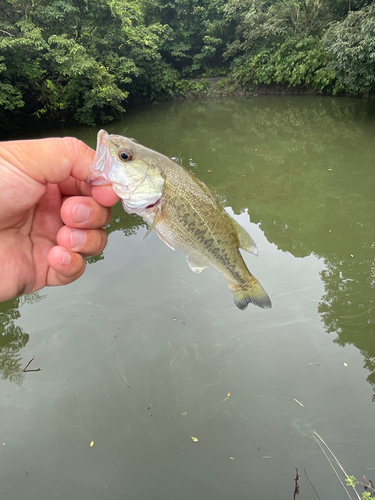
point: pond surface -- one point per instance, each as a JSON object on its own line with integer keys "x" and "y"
{"x": 141, "y": 355}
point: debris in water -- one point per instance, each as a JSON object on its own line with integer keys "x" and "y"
{"x": 28, "y": 364}
{"x": 297, "y": 488}
{"x": 228, "y": 395}
{"x": 296, "y": 400}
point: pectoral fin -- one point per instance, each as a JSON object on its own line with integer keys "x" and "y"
{"x": 157, "y": 218}
{"x": 246, "y": 242}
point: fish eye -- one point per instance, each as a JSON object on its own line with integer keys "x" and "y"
{"x": 125, "y": 154}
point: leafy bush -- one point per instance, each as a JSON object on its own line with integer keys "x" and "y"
{"x": 297, "y": 61}
{"x": 351, "y": 45}
{"x": 195, "y": 88}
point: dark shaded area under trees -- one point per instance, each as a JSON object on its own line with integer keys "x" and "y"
{"x": 85, "y": 59}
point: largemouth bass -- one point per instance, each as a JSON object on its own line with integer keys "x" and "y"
{"x": 181, "y": 209}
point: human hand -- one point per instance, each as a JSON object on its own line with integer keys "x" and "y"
{"x": 49, "y": 217}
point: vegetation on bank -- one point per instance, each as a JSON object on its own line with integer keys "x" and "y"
{"x": 85, "y": 59}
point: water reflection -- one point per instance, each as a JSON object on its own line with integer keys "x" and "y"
{"x": 347, "y": 307}
{"x": 13, "y": 338}
{"x": 301, "y": 166}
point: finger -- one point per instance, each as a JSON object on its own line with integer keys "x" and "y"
{"x": 84, "y": 212}
{"x": 103, "y": 194}
{"x": 65, "y": 266}
{"x": 51, "y": 160}
{"x": 74, "y": 187}
{"x": 86, "y": 242}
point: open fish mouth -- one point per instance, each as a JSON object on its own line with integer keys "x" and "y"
{"x": 101, "y": 166}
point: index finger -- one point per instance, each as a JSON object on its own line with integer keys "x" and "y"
{"x": 102, "y": 194}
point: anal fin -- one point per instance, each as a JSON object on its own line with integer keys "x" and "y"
{"x": 195, "y": 265}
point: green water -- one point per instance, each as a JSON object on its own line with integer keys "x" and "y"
{"x": 140, "y": 354}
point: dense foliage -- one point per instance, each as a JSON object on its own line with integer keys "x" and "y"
{"x": 85, "y": 59}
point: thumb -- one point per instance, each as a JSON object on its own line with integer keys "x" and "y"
{"x": 51, "y": 160}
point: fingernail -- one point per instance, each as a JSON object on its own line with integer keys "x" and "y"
{"x": 77, "y": 239}
{"x": 65, "y": 257}
{"x": 80, "y": 213}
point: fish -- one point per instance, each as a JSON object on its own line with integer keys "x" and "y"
{"x": 181, "y": 209}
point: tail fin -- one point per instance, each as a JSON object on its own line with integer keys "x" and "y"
{"x": 252, "y": 293}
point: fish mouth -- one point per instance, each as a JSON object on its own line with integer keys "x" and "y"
{"x": 100, "y": 168}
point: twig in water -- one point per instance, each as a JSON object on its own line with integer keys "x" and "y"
{"x": 297, "y": 488}
{"x": 28, "y": 364}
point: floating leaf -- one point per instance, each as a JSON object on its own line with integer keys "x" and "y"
{"x": 91, "y": 444}
{"x": 194, "y": 439}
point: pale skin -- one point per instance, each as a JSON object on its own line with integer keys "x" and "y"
{"x": 49, "y": 217}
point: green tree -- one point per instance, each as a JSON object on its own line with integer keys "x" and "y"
{"x": 84, "y": 59}
{"x": 351, "y": 44}
{"x": 261, "y": 22}
{"x": 78, "y": 58}
{"x": 198, "y": 34}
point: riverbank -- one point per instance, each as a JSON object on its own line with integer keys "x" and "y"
{"x": 221, "y": 86}
{"x": 196, "y": 88}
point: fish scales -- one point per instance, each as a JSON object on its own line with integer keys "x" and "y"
{"x": 182, "y": 210}
{"x": 195, "y": 222}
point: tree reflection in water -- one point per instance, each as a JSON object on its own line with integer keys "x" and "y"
{"x": 13, "y": 338}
